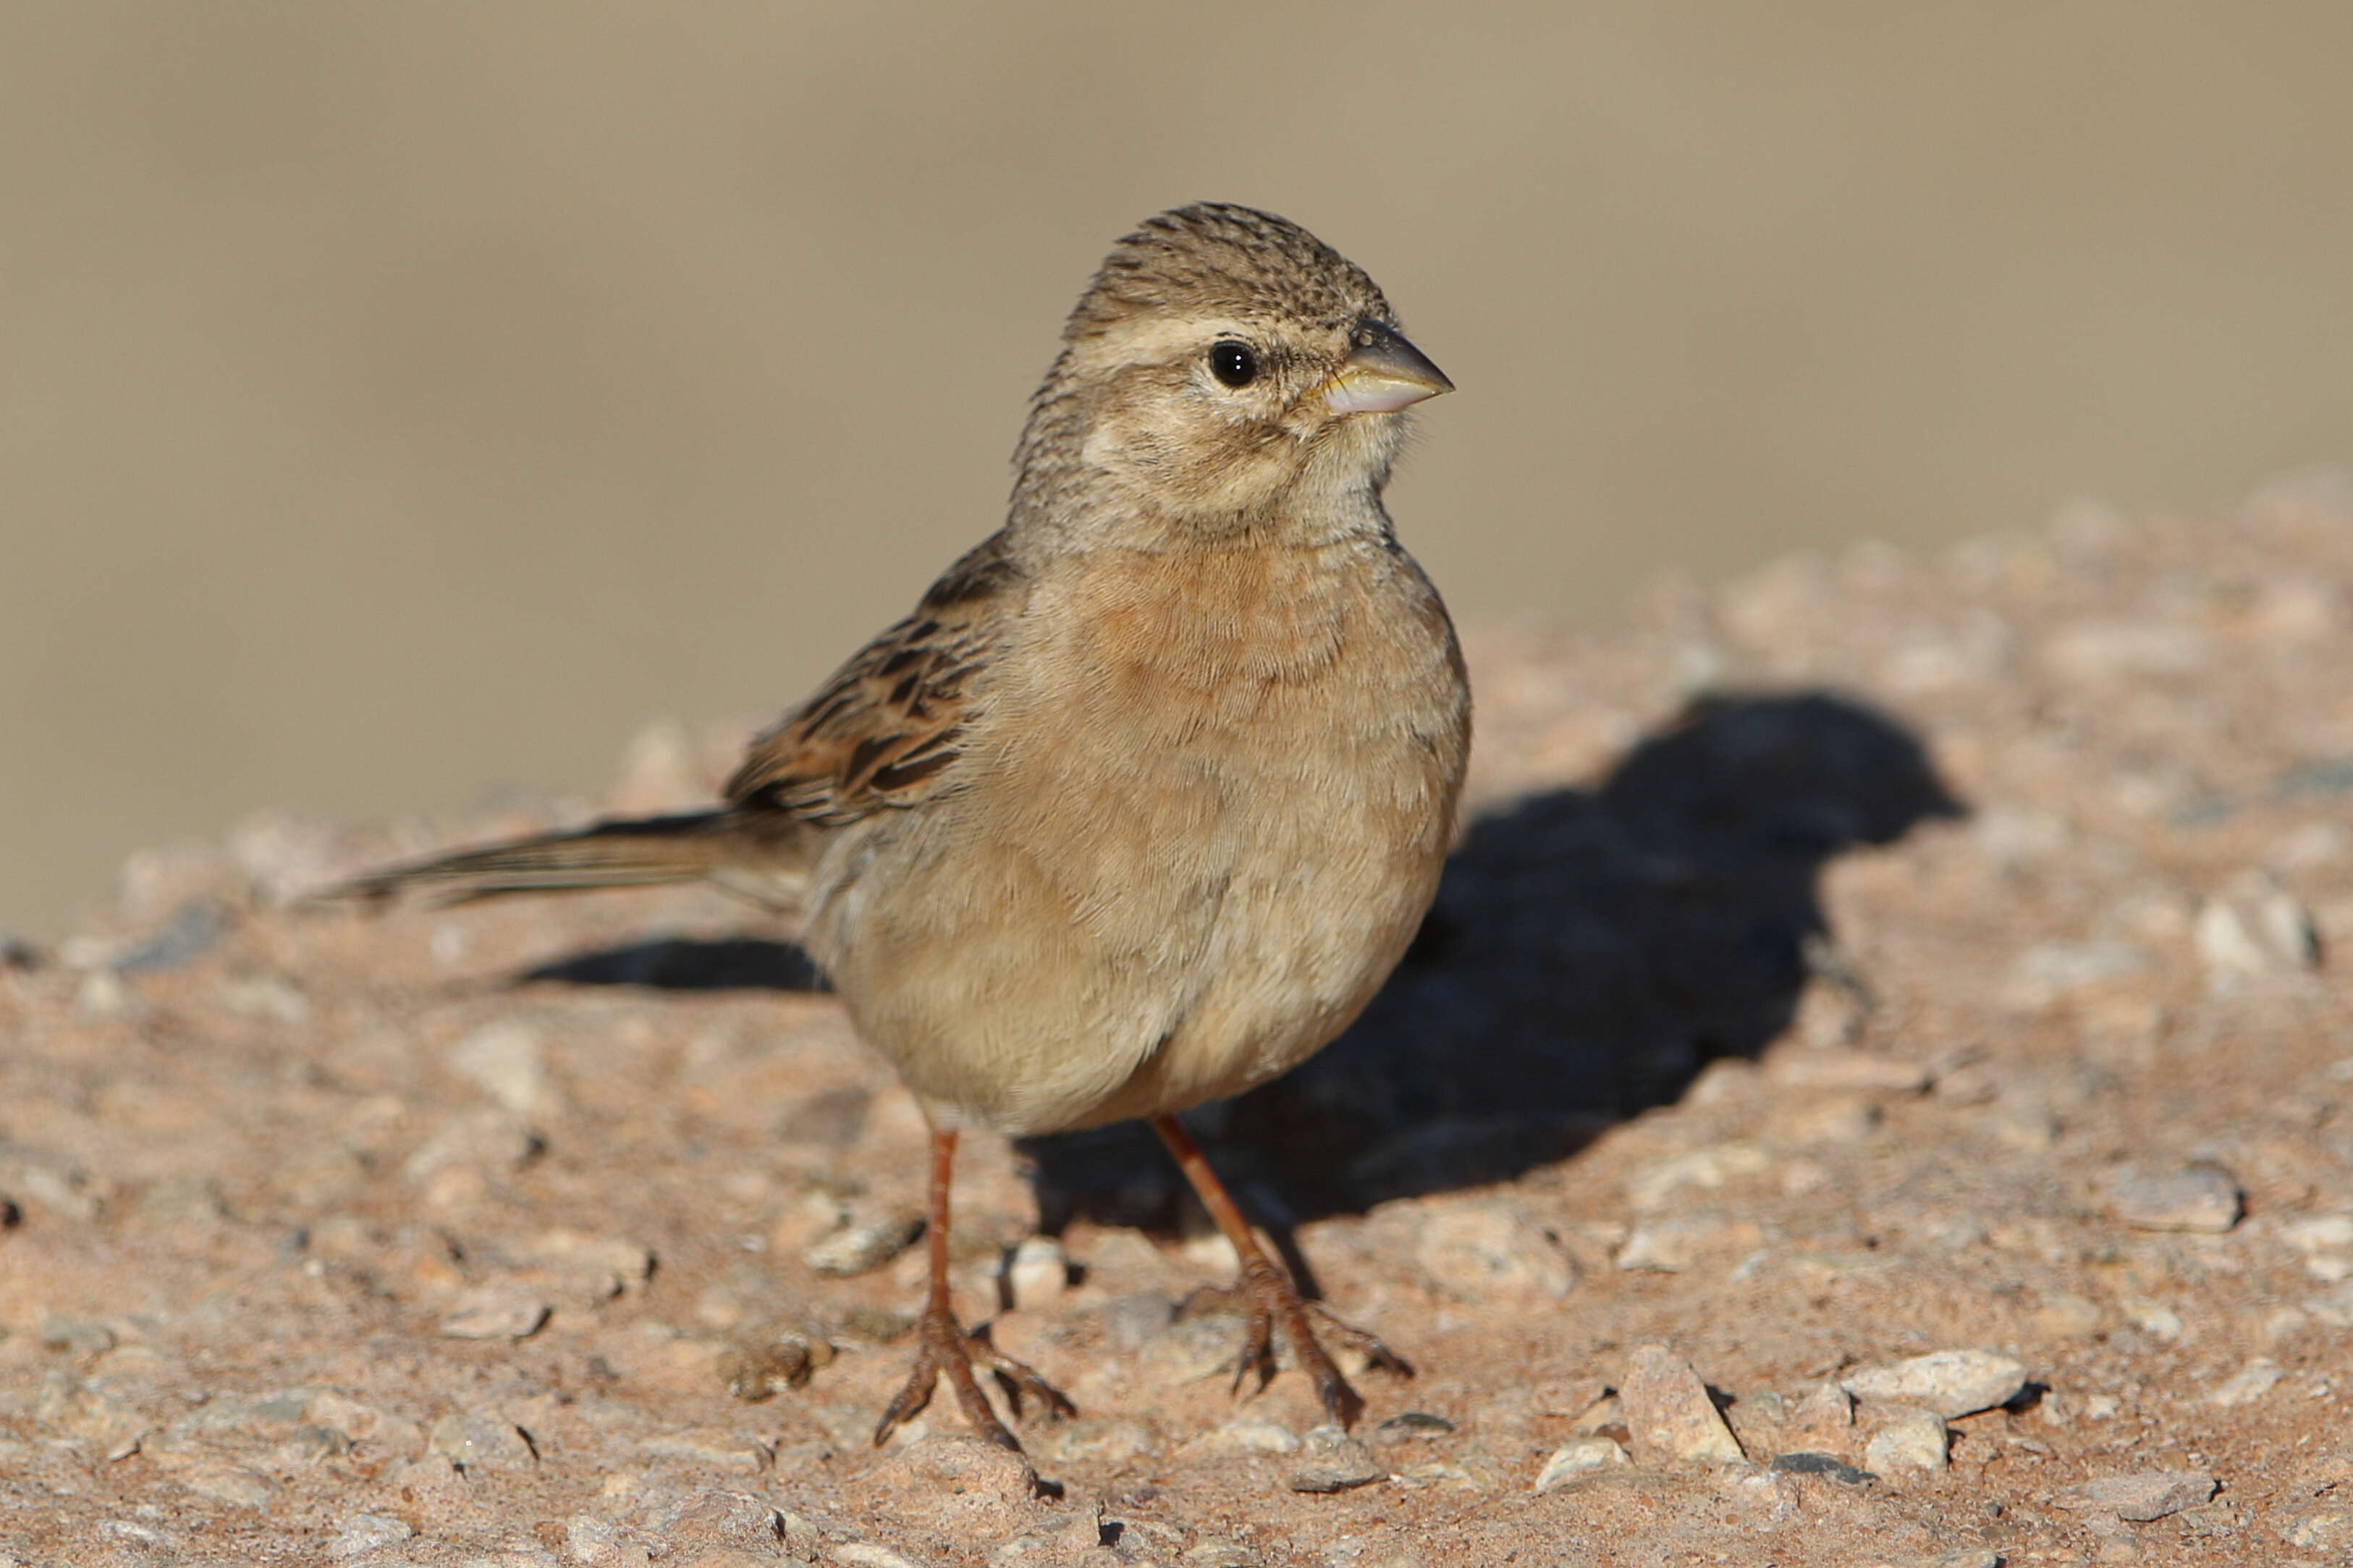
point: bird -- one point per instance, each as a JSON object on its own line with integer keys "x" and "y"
{"x": 1140, "y": 805}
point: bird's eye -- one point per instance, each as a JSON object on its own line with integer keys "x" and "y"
{"x": 1233, "y": 363}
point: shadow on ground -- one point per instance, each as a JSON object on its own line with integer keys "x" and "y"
{"x": 1589, "y": 952}
{"x": 688, "y": 963}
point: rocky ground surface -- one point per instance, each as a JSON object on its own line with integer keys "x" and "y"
{"x": 1877, "y": 1088}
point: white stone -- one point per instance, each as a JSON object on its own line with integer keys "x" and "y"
{"x": 506, "y": 1062}
{"x": 1950, "y": 1382}
{"x": 1253, "y": 1435}
{"x": 1573, "y": 1460}
{"x": 2255, "y": 926}
{"x": 363, "y": 1532}
{"x": 1039, "y": 1272}
{"x": 866, "y": 1555}
{"x": 490, "y": 1312}
{"x": 1914, "y": 1440}
{"x": 2250, "y": 1383}
{"x": 1670, "y": 1415}
{"x": 1653, "y": 1185}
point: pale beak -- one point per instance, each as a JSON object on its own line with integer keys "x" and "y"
{"x": 1383, "y": 374}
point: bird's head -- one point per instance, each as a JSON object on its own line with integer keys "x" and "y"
{"x": 1227, "y": 375}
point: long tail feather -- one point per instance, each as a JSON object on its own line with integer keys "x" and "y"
{"x": 760, "y": 855}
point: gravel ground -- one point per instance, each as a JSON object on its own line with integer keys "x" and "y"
{"x": 1869, "y": 1094}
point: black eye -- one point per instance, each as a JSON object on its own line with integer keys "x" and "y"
{"x": 1233, "y": 363}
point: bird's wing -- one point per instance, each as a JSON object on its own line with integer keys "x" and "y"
{"x": 887, "y": 730}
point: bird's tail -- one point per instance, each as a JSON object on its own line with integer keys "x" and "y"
{"x": 761, "y": 855}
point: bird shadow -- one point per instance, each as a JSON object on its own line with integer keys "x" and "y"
{"x": 1589, "y": 951}
{"x": 689, "y": 963}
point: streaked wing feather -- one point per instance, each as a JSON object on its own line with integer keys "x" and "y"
{"x": 886, "y": 730}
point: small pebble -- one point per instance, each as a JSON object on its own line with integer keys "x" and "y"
{"x": 58, "y": 1186}
{"x": 1806, "y": 1463}
{"x": 601, "y": 1544}
{"x": 363, "y": 1532}
{"x": 1038, "y": 1273}
{"x": 879, "y": 1325}
{"x": 565, "y": 1248}
{"x": 1669, "y": 1414}
{"x": 716, "y": 1519}
{"x": 2201, "y": 1198}
{"x": 492, "y": 1313}
{"x": 111, "y": 1427}
{"x": 1252, "y": 1433}
{"x": 1576, "y": 1458}
{"x": 2254, "y": 927}
{"x": 136, "y": 1532}
{"x": 1953, "y": 1383}
{"x": 2252, "y": 1381}
{"x": 482, "y": 1442}
{"x": 1967, "y": 1084}
{"x": 1912, "y": 1440}
{"x": 1217, "y": 1554}
{"x": 2326, "y": 1242}
{"x": 265, "y": 996}
{"x": 1672, "y": 1246}
{"x": 193, "y": 928}
{"x": 1412, "y": 1424}
{"x": 103, "y": 993}
{"x": 76, "y": 1336}
{"x": 1655, "y": 1184}
{"x": 231, "y": 1484}
{"x": 2068, "y": 1317}
{"x": 2150, "y": 1494}
{"x": 506, "y": 1062}
{"x": 866, "y": 1555}
{"x": 2317, "y": 1530}
{"x": 489, "y": 1140}
{"x": 1335, "y": 1462}
{"x": 863, "y": 1246}
{"x": 772, "y": 1359}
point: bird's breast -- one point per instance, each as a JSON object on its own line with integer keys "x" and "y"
{"x": 1207, "y": 811}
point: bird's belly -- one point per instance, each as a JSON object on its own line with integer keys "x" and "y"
{"x": 1140, "y": 925}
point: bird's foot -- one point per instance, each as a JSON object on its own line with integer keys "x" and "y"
{"x": 947, "y": 1350}
{"x": 1270, "y": 1303}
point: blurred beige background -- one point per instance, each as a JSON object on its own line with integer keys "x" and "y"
{"x": 397, "y": 400}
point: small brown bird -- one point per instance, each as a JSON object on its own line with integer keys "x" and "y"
{"x": 1140, "y": 807}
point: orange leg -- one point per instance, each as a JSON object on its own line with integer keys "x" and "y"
{"x": 1272, "y": 1302}
{"x": 946, "y": 1350}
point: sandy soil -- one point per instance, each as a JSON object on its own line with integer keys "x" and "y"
{"x": 1883, "y": 957}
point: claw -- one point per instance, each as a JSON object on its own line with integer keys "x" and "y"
{"x": 1364, "y": 1342}
{"x": 1016, "y": 1378}
{"x": 1274, "y": 1304}
{"x": 947, "y": 1350}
